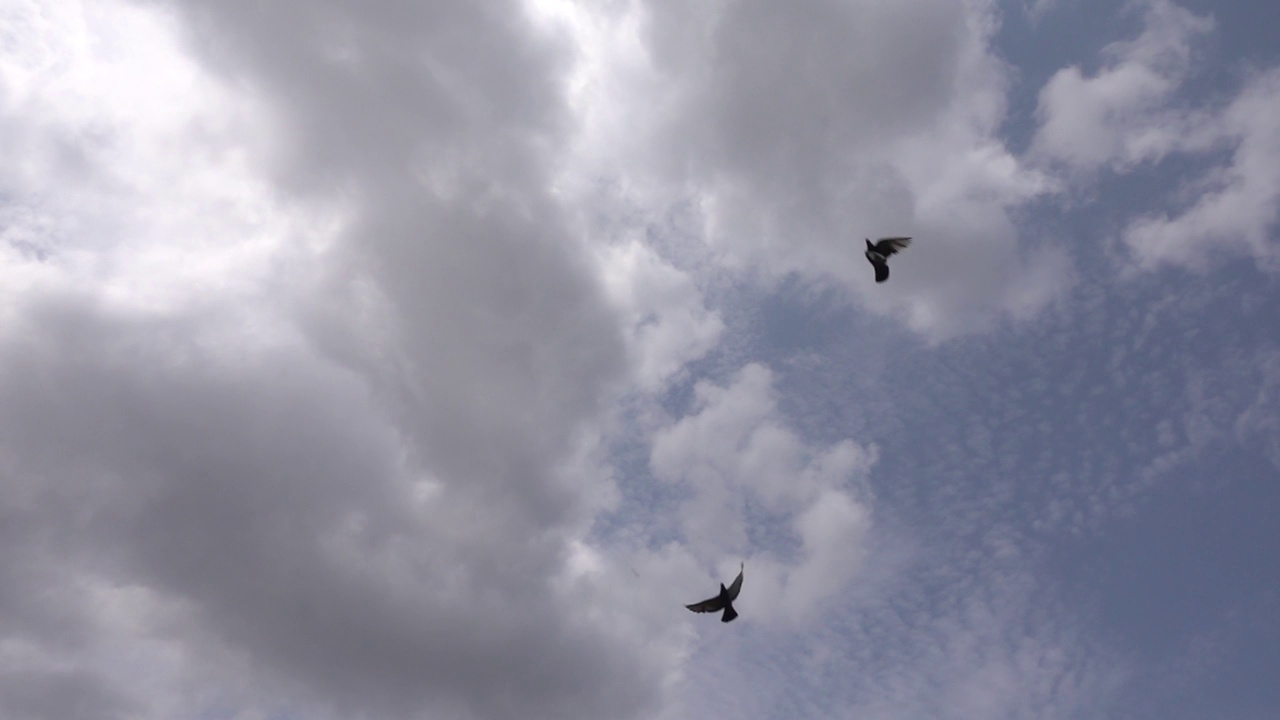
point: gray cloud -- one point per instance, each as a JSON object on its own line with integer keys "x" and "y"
{"x": 375, "y": 512}
{"x": 266, "y": 491}
{"x": 802, "y": 129}
{"x": 28, "y": 693}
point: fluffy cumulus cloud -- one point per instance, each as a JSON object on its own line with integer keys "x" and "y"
{"x": 801, "y": 129}
{"x": 1135, "y": 110}
{"x": 753, "y": 481}
{"x": 1122, "y": 115}
{"x": 666, "y": 320}
{"x": 1235, "y": 206}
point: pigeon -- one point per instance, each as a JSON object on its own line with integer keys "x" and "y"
{"x": 879, "y": 252}
{"x": 723, "y": 601}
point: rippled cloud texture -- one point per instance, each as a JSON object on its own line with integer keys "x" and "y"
{"x": 422, "y": 360}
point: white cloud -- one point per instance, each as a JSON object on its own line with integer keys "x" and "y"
{"x": 1126, "y": 112}
{"x": 757, "y": 488}
{"x": 667, "y": 322}
{"x": 793, "y": 132}
{"x": 1134, "y": 111}
{"x": 1237, "y": 205}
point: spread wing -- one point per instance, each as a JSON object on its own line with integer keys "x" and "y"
{"x": 709, "y": 605}
{"x": 890, "y": 245}
{"x": 882, "y": 272}
{"x": 736, "y": 587}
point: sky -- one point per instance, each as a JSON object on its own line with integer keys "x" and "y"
{"x": 397, "y": 360}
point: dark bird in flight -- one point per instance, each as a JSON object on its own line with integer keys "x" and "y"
{"x": 878, "y": 254}
{"x": 723, "y": 601}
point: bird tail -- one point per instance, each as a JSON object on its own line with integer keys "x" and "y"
{"x": 729, "y": 614}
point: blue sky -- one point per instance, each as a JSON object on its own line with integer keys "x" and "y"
{"x": 423, "y": 360}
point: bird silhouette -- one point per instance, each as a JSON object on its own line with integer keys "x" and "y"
{"x": 723, "y": 601}
{"x": 878, "y": 254}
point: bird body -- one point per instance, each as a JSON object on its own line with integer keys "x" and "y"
{"x": 722, "y": 601}
{"x": 878, "y": 254}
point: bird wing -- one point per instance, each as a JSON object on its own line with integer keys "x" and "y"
{"x": 714, "y": 604}
{"x": 736, "y": 587}
{"x": 890, "y": 245}
{"x": 882, "y": 272}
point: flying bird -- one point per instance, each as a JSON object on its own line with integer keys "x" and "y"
{"x": 878, "y": 254}
{"x": 723, "y": 601}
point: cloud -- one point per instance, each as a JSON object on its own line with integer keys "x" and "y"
{"x": 790, "y": 133}
{"x": 1001, "y": 653}
{"x": 667, "y": 320}
{"x": 1236, "y": 205}
{"x": 299, "y": 349}
{"x": 758, "y": 490}
{"x": 1261, "y": 419}
{"x": 1122, "y": 115}
{"x": 268, "y": 494}
{"x": 94, "y": 100}
{"x": 359, "y": 360}
{"x": 1134, "y": 111}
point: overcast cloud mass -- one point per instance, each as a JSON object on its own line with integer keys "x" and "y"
{"x": 391, "y": 359}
